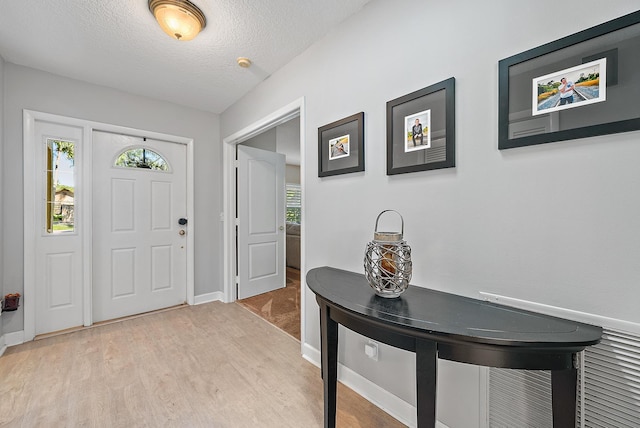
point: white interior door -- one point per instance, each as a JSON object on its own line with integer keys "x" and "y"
{"x": 261, "y": 221}
{"x": 139, "y": 245}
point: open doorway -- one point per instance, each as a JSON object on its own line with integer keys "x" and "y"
{"x": 281, "y": 132}
{"x": 281, "y": 306}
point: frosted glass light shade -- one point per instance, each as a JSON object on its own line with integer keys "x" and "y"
{"x": 180, "y": 19}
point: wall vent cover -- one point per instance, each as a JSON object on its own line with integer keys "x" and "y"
{"x": 608, "y": 389}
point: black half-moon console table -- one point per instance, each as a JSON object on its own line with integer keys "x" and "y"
{"x": 435, "y": 324}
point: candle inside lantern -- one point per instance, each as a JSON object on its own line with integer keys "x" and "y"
{"x": 387, "y": 264}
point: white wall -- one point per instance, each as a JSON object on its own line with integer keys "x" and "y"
{"x": 264, "y": 141}
{"x": 284, "y": 139}
{"x": 292, "y": 174}
{"x": 26, "y": 88}
{"x": 555, "y": 223}
{"x": 288, "y": 140}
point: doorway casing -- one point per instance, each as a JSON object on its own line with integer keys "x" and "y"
{"x": 85, "y": 220}
{"x": 284, "y": 114}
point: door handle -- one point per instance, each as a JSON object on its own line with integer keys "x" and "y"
{"x": 281, "y": 227}
{"x": 182, "y": 232}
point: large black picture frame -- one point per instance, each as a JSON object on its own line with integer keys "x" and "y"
{"x": 341, "y": 146}
{"x": 435, "y": 146}
{"x": 610, "y": 48}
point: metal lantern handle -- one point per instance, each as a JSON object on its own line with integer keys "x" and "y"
{"x": 393, "y": 211}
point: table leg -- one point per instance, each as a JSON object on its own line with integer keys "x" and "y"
{"x": 563, "y": 395}
{"x": 329, "y": 350}
{"x": 426, "y": 378}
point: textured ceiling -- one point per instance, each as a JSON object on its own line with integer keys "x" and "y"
{"x": 117, "y": 43}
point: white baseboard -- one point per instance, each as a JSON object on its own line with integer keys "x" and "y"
{"x": 311, "y": 354}
{"x": 15, "y": 338}
{"x": 396, "y": 407}
{"x": 208, "y": 298}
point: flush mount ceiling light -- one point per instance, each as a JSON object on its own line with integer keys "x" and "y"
{"x": 180, "y": 19}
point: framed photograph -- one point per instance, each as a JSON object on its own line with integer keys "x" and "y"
{"x": 579, "y": 86}
{"x": 421, "y": 129}
{"x": 574, "y": 87}
{"x": 417, "y": 129}
{"x": 341, "y": 146}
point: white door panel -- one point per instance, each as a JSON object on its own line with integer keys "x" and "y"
{"x": 261, "y": 218}
{"x": 58, "y": 256}
{"x": 139, "y": 253}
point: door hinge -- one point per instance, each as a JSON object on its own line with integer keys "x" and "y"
{"x": 236, "y": 163}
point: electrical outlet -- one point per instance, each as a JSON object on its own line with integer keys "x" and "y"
{"x": 371, "y": 350}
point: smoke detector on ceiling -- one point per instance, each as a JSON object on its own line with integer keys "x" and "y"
{"x": 244, "y": 62}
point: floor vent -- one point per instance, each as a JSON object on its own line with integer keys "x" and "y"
{"x": 608, "y": 390}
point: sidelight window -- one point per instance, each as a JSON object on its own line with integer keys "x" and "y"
{"x": 60, "y": 197}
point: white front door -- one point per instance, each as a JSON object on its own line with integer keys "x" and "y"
{"x": 261, "y": 221}
{"x": 139, "y": 245}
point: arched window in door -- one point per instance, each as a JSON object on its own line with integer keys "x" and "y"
{"x": 141, "y": 157}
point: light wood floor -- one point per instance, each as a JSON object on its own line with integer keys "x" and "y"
{"x": 212, "y": 365}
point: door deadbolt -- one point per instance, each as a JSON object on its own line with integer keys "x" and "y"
{"x": 182, "y": 221}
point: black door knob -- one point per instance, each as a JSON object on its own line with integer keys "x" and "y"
{"x": 182, "y": 221}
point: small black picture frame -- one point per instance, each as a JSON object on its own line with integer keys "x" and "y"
{"x": 421, "y": 129}
{"x": 341, "y": 146}
{"x": 582, "y": 85}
